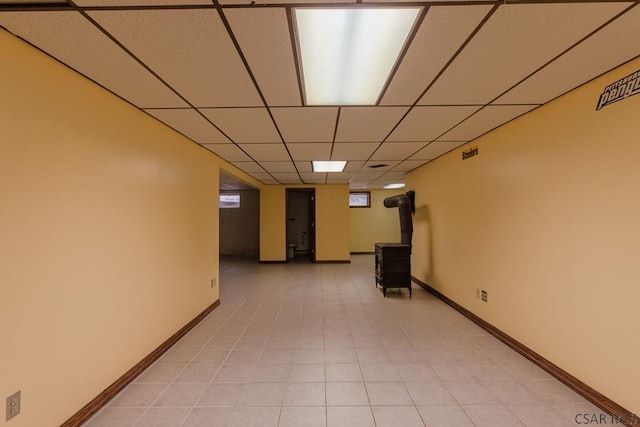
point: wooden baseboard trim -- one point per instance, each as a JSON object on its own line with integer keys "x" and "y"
{"x": 363, "y": 253}
{"x": 625, "y": 416}
{"x": 329, "y": 261}
{"x": 110, "y": 392}
{"x": 273, "y": 262}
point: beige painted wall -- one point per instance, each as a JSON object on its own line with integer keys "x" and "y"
{"x": 332, "y": 222}
{"x": 545, "y": 219}
{"x": 109, "y": 225}
{"x": 374, "y": 224}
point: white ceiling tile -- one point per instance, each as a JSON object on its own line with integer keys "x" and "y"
{"x": 577, "y": 66}
{"x": 514, "y": 42}
{"x": 367, "y": 176}
{"x": 397, "y": 150}
{"x": 249, "y": 167}
{"x": 263, "y": 35}
{"x": 335, "y": 180}
{"x": 314, "y": 178}
{"x": 353, "y": 166}
{"x": 304, "y": 166}
{"x": 285, "y": 2}
{"x": 340, "y": 176}
{"x": 353, "y": 150}
{"x": 366, "y": 124}
{"x": 427, "y": 123}
{"x": 244, "y": 125}
{"x": 229, "y": 152}
{"x": 73, "y": 40}
{"x": 485, "y": 120}
{"x": 419, "y": 1}
{"x": 279, "y": 167}
{"x": 188, "y": 122}
{"x": 310, "y": 151}
{"x": 266, "y": 152}
{"x": 374, "y": 165}
{"x": 112, "y": 3}
{"x": 306, "y": 124}
{"x": 190, "y": 49}
{"x": 263, "y": 176}
{"x": 287, "y": 177}
{"x": 442, "y": 32}
{"x": 435, "y": 149}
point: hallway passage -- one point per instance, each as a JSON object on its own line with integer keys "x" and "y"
{"x": 317, "y": 345}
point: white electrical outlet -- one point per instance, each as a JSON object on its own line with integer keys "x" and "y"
{"x": 213, "y": 283}
{"x": 13, "y": 405}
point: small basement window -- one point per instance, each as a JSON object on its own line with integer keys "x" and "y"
{"x": 229, "y": 201}
{"x": 359, "y": 199}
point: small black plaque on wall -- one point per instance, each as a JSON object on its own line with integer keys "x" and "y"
{"x": 470, "y": 153}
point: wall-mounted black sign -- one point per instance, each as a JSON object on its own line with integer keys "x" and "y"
{"x": 622, "y": 89}
{"x": 470, "y": 153}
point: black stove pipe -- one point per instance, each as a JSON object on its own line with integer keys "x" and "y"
{"x": 405, "y": 205}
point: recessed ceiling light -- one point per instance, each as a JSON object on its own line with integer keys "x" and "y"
{"x": 347, "y": 54}
{"x": 329, "y": 166}
{"x": 390, "y": 186}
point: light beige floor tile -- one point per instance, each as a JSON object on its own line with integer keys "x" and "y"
{"x": 263, "y": 394}
{"x": 163, "y": 417}
{"x": 513, "y": 391}
{"x": 341, "y": 355}
{"x": 177, "y": 356}
{"x": 210, "y": 417}
{"x": 543, "y": 415}
{"x": 305, "y": 394}
{"x": 430, "y": 393}
{"x": 251, "y": 342}
{"x": 491, "y": 416}
{"x": 388, "y": 393}
{"x": 276, "y": 356}
{"x": 138, "y": 395}
{"x": 211, "y": 355}
{"x": 372, "y": 355}
{"x": 345, "y": 394}
{"x": 303, "y": 417}
{"x": 551, "y": 390}
{"x": 200, "y": 373}
{"x": 471, "y": 393}
{"x": 350, "y": 416}
{"x": 444, "y": 416}
{"x": 397, "y": 416}
{"x": 181, "y": 394}
{"x": 243, "y": 356}
{"x": 343, "y": 372}
{"x": 113, "y": 416}
{"x": 160, "y": 373}
{"x": 307, "y": 373}
{"x": 308, "y": 356}
{"x": 416, "y": 372}
{"x": 255, "y": 417}
{"x": 222, "y": 394}
{"x": 380, "y": 372}
{"x": 240, "y": 372}
{"x": 271, "y": 373}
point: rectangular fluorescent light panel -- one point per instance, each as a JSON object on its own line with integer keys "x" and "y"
{"x": 329, "y": 166}
{"x": 347, "y": 54}
{"x": 393, "y": 186}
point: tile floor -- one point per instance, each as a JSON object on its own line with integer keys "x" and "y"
{"x": 317, "y": 345}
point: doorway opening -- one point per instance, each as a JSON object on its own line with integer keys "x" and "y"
{"x": 301, "y": 224}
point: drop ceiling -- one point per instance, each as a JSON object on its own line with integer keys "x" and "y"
{"x": 224, "y": 73}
